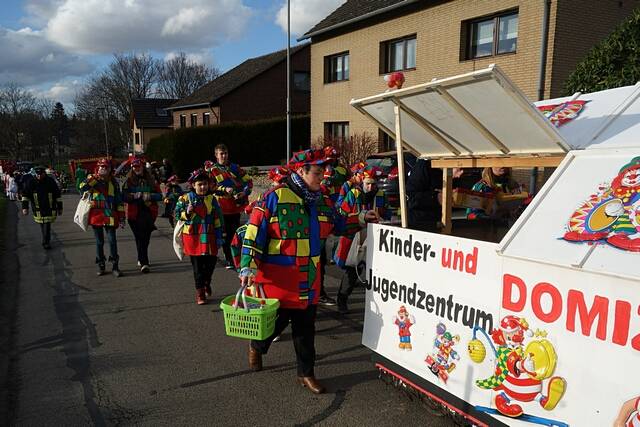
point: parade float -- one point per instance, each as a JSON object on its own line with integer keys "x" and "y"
{"x": 544, "y": 326}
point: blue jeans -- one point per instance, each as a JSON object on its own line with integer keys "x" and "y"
{"x": 113, "y": 243}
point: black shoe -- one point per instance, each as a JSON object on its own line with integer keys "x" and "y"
{"x": 116, "y": 272}
{"x": 229, "y": 265}
{"x": 326, "y": 300}
{"x": 46, "y": 246}
{"x": 145, "y": 268}
{"x": 101, "y": 269}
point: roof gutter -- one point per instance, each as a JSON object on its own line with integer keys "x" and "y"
{"x": 187, "y": 106}
{"x": 357, "y": 19}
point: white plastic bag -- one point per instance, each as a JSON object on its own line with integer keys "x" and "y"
{"x": 81, "y": 217}
{"x": 357, "y": 251}
{"x": 177, "y": 239}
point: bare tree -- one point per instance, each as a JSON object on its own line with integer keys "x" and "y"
{"x": 355, "y": 148}
{"x": 16, "y": 105}
{"x": 180, "y": 76}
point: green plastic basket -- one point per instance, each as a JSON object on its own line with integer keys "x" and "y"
{"x": 255, "y": 323}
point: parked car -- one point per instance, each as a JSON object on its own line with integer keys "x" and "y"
{"x": 388, "y": 163}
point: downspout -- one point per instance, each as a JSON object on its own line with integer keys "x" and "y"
{"x": 541, "y": 77}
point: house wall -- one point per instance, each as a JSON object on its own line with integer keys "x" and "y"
{"x": 265, "y": 96}
{"x": 439, "y": 32}
{"x": 137, "y": 148}
{"x": 214, "y": 116}
{"x": 581, "y": 24}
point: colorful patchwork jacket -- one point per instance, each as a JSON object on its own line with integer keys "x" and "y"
{"x": 333, "y": 182}
{"x": 44, "y": 197}
{"x": 107, "y": 207}
{"x": 129, "y": 190}
{"x": 282, "y": 243}
{"x": 234, "y": 177}
{"x": 203, "y": 228}
{"x": 352, "y": 201}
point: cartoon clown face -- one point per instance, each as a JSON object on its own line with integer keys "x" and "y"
{"x": 631, "y": 178}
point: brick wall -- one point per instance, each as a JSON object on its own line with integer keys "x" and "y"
{"x": 265, "y": 96}
{"x": 214, "y": 114}
{"x": 580, "y": 25}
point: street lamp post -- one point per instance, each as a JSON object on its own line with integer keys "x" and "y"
{"x": 104, "y": 122}
{"x": 288, "y": 81}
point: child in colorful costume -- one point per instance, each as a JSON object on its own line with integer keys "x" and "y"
{"x": 360, "y": 193}
{"x": 106, "y": 214}
{"x": 233, "y": 187}
{"x": 171, "y": 194}
{"x": 202, "y": 233}
{"x": 494, "y": 180}
{"x": 141, "y": 193}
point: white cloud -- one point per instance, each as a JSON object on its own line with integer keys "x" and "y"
{"x": 305, "y": 14}
{"x": 28, "y": 58}
{"x": 204, "y": 57}
{"x": 107, "y": 26}
{"x": 63, "y": 91}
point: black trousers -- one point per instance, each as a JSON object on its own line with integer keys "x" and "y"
{"x": 203, "y": 267}
{"x": 348, "y": 281}
{"x": 45, "y": 228}
{"x": 142, "y": 229}
{"x": 303, "y": 331}
{"x": 231, "y": 224}
{"x": 323, "y": 263}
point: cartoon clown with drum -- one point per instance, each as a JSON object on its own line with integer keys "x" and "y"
{"x": 612, "y": 214}
{"x": 523, "y": 373}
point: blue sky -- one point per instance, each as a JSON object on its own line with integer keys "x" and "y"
{"x": 53, "y": 46}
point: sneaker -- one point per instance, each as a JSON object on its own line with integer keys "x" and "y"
{"x": 207, "y": 290}
{"x": 229, "y": 266}
{"x": 116, "y": 272}
{"x": 139, "y": 264}
{"x": 326, "y": 300}
{"x": 201, "y": 297}
{"x": 276, "y": 339}
{"x": 101, "y": 269}
{"x": 145, "y": 269}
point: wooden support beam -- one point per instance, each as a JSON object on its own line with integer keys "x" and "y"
{"x": 401, "y": 176}
{"x": 386, "y": 130}
{"x": 472, "y": 119}
{"x": 424, "y": 124}
{"x": 515, "y": 162}
{"x": 447, "y": 199}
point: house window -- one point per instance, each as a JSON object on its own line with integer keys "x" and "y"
{"x": 302, "y": 81}
{"x": 137, "y": 138}
{"x": 398, "y": 54}
{"x": 385, "y": 142}
{"x": 336, "y": 130}
{"x": 336, "y": 67}
{"x": 206, "y": 119}
{"x": 492, "y": 35}
{"x": 194, "y": 120}
{"x": 183, "y": 121}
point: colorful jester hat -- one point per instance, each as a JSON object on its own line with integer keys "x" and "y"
{"x": 372, "y": 174}
{"x": 331, "y": 152}
{"x": 358, "y": 168}
{"x": 173, "y": 179}
{"x": 198, "y": 175}
{"x": 279, "y": 174}
{"x": 309, "y": 157}
{"x": 633, "y": 164}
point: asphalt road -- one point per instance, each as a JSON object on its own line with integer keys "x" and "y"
{"x": 137, "y": 350}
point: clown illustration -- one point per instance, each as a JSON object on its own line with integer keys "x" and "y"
{"x": 523, "y": 372}
{"x": 441, "y": 362}
{"x": 404, "y": 321}
{"x": 612, "y": 215}
{"x": 629, "y": 414}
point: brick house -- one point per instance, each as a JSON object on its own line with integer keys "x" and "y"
{"x": 362, "y": 40}
{"x": 254, "y": 90}
{"x": 149, "y": 118}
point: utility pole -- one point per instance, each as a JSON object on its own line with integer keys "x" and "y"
{"x": 104, "y": 122}
{"x": 287, "y": 156}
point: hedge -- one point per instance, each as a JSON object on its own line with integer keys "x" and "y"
{"x": 257, "y": 143}
{"x": 612, "y": 63}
